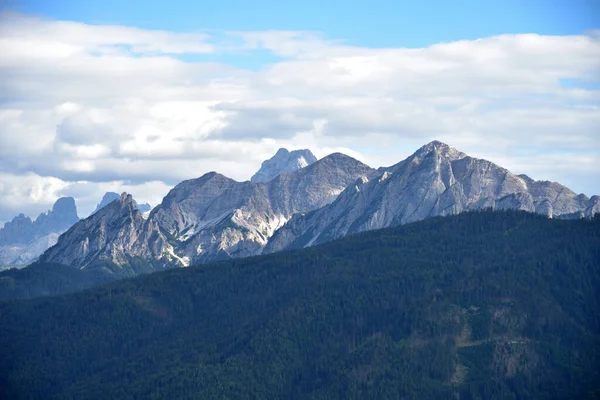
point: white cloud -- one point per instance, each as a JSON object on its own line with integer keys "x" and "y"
{"x": 30, "y": 194}
{"x": 57, "y": 39}
{"x": 89, "y": 108}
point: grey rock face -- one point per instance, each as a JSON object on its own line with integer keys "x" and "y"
{"x": 114, "y": 239}
{"x": 437, "y": 180}
{"x": 215, "y": 217}
{"x": 19, "y": 230}
{"x": 22, "y": 240}
{"x": 109, "y": 197}
{"x": 200, "y": 220}
{"x": 283, "y": 162}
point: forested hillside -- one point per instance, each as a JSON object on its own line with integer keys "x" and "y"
{"x": 41, "y": 279}
{"x": 480, "y": 305}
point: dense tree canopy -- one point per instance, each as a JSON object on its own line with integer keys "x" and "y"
{"x": 480, "y": 305}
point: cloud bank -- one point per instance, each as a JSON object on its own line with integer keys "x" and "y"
{"x": 90, "y": 108}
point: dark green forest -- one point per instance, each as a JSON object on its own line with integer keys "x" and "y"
{"x": 41, "y": 279}
{"x": 484, "y": 305}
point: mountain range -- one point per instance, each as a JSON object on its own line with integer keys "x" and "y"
{"x": 296, "y": 201}
{"x": 493, "y": 302}
{"x": 205, "y": 219}
{"x": 437, "y": 180}
{"x": 23, "y": 240}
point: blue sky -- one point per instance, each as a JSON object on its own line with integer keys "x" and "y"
{"x": 374, "y": 23}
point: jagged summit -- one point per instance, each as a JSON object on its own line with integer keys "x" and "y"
{"x": 283, "y": 161}
{"x": 116, "y": 235}
{"x": 203, "y": 219}
{"x": 526, "y": 178}
{"x": 440, "y": 148}
{"x": 214, "y": 217}
{"x": 59, "y": 219}
{"x": 124, "y": 201}
{"x": 22, "y": 240}
{"x": 22, "y": 229}
{"x": 109, "y": 197}
{"x": 126, "y": 198}
{"x": 65, "y": 206}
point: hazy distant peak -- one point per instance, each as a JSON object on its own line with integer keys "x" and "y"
{"x": 108, "y": 198}
{"x": 64, "y": 205}
{"x": 23, "y": 239}
{"x": 282, "y": 162}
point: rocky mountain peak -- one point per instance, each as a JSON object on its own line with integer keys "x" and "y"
{"x": 335, "y": 158}
{"x": 113, "y": 236}
{"x": 436, "y": 180}
{"x": 16, "y": 231}
{"x": 21, "y": 240}
{"x": 526, "y": 178}
{"x": 19, "y": 218}
{"x": 60, "y": 218}
{"x": 283, "y": 161}
{"x": 65, "y": 207}
{"x": 439, "y": 148}
{"x": 126, "y": 200}
{"x": 108, "y": 198}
